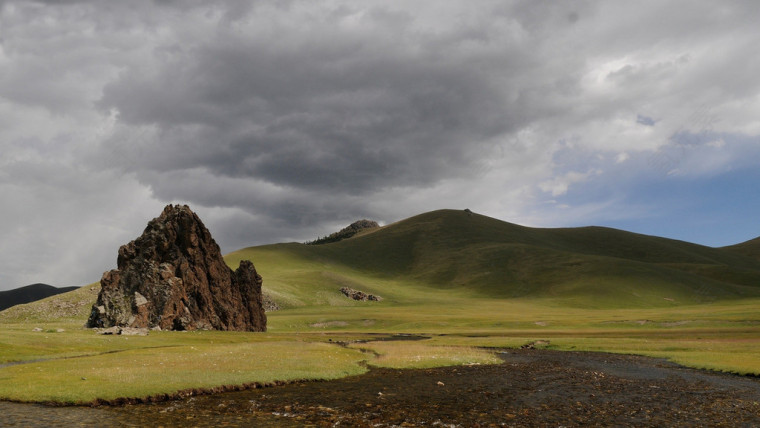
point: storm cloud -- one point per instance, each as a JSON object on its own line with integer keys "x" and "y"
{"x": 286, "y": 120}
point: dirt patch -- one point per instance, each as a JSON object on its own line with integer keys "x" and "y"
{"x": 535, "y": 344}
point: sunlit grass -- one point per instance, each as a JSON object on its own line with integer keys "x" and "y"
{"x": 729, "y": 353}
{"x": 732, "y": 350}
{"x": 18, "y": 342}
{"x": 464, "y": 281}
{"x": 151, "y": 371}
{"x": 406, "y": 354}
{"x": 719, "y": 337}
{"x": 72, "y": 307}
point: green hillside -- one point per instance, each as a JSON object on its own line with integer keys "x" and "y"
{"x": 750, "y": 248}
{"x": 434, "y": 254}
{"x": 73, "y": 306}
{"x": 464, "y": 281}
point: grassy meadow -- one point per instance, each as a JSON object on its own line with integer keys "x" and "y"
{"x": 465, "y": 282}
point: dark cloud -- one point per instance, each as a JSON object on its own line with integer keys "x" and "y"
{"x": 286, "y": 120}
{"x": 349, "y": 109}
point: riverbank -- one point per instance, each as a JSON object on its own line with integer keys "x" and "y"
{"x": 530, "y": 388}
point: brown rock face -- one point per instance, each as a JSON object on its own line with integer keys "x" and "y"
{"x": 173, "y": 277}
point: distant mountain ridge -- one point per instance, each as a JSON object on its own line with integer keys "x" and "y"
{"x": 29, "y": 293}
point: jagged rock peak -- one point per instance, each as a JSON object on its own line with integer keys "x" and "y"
{"x": 361, "y": 225}
{"x": 174, "y": 277}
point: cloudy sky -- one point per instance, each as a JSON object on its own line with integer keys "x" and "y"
{"x": 285, "y": 120}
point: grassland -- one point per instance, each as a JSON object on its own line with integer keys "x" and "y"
{"x": 454, "y": 251}
{"x": 466, "y": 282}
{"x": 76, "y": 365}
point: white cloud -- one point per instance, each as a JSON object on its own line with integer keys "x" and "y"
{"x": 559, "y": 185}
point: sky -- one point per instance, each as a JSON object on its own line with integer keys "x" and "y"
{"x": 286, "y": 120}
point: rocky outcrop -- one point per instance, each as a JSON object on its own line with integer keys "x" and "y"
{"x": 269, "y": 304}
{"x": 345, "y": 233}
{"x": 123, "y": 331}
{"x": 359, "y": 295}
{"x": 174, "y": 277}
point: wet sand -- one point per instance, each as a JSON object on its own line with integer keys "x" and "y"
{"x": 531, "y": 388}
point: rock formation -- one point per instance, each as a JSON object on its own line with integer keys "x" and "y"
{"x": 174, "y": 277}
{"x": 359, "y": 295}
{"x": 345, "y": 233}
{"x": 268, "y": 303}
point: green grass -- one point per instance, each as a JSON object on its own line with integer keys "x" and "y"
{"x": 720, "y": 337}
{"x": 452, "y": 251}
{"x": 412, "y": 354}
{"x": 71, "y": 307}
{"x": 148, "y": 371}
{"x": 468, "y": 282}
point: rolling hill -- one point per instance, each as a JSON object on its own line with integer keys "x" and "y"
{"x": 447, "y": 255}
{"x": 460, "y": 279}
{"x": 460, "y": 252}
{"x": 750, "y": 248}
{"x": 29, "y": 293}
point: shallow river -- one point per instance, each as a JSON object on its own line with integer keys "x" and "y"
{"x": 532, "y": 387}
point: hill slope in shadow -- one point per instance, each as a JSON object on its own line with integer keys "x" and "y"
{"x": 749, "y": 248}
{"x": 29, "y": 293}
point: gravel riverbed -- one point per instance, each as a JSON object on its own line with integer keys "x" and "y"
{"x": 531, "y": 388}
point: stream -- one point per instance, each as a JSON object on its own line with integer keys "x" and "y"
{"x": 531, "y": 387}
